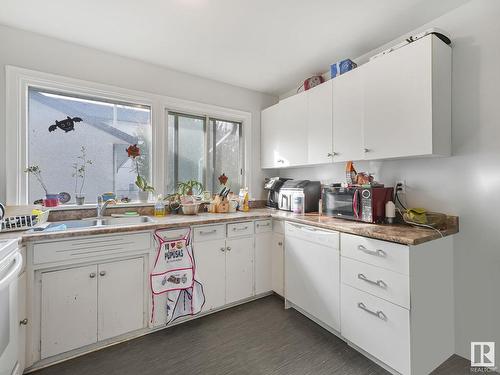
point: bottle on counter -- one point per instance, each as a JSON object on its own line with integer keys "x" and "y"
{"x": 298, "y": 204}
{"x": 159, "y": 206}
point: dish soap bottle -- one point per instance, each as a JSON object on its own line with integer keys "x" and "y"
{"x": 159, "y": 206}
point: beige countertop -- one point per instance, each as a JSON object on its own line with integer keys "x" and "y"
{"x": 399, "y": 233}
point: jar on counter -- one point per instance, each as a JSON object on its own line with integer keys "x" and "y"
{"x": 298, "y": 203}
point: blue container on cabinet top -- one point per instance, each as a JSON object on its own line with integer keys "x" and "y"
{"x": 342, "y": 67}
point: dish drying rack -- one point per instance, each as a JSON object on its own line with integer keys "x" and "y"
{"x": 22, "y": 222}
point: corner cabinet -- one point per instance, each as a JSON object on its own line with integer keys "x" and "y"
{"x": 395, "y": 106}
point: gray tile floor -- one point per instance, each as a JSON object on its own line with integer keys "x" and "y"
{"x": 255, "y": 338}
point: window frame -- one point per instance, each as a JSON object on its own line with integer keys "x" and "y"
{"x": 18, "y": 80}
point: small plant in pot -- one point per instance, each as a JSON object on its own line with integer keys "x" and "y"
{"x": 50, "y": 199}
{"x": 134, "y": 152}
{"x": 191, "y": 187}
{"x": 80, "y": 174}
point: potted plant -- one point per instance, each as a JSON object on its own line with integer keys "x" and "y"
{"x": 134, "y": 152}
{"x": 80, "y": 173}
{"x": 189, "y": 187}
{"x": 50, "y": 199}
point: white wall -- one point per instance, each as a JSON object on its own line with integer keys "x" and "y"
{"x": 33, "y": 51}
{"x": 467, "y": 183}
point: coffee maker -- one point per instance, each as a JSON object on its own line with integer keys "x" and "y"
{"x": 273, "y": 186}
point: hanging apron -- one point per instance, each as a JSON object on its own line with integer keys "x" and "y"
{"x": 174, "y": 274}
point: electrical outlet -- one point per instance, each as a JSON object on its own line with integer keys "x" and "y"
{"x": 401, "y": 184}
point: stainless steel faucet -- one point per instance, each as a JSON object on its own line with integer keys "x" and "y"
{"x": 101, "y": 206}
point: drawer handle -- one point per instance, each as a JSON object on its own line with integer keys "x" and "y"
{"x": 264, "y": 225}
{"x": 208, "y": 231}
{"x": 379, "y": 283}
{"x": 379, "y": 314}
{"x": 280, "y": 243}
{"x": 377, "y": 253}
{"x": 244, "y": 228}
{"x": 24, "y": 322}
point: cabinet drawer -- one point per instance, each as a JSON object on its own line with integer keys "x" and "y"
{"x": 89, "y": 247}
{"x": 262, "y": 226}
{"x": 209, "y": 232}
{"x": 312, "y": 234}
{"x": 240, "y": 229}
{"x": 379, "y": 327}
{"x": 389, "y": 285}
{"x": 378, "y": 253}
{"x": 278, "y": 226}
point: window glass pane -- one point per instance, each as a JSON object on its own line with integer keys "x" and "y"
{"x": 186, "y": 149}
{"x": 106, "y": 129}
{"x": 225, "y": 140}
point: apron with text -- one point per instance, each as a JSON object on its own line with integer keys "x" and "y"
{"x": 174, "y": 274}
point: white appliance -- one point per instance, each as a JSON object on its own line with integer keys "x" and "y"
{"x": 10, "y": 266}
{"x": 312, "y": 273}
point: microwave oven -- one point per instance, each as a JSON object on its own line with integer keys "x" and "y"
{"x": 356, "y": 203}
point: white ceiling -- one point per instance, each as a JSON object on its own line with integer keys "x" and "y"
{"x": 265, "y": 45}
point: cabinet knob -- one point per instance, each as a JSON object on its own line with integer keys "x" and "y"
{"x": 332, "y": 154}
{"x": 366, "y": 150}
{"x": 280, "y": 243}
{"x": 222, "y": 249}
{"x": 92, "y": 275}
{"x": 228, "y": 248}
{"x": 24, "y": 322}
{"x": 281, "y": 161}
{"x": 102, "y": 273}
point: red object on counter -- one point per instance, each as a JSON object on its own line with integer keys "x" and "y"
{"x": 51, "y": 202}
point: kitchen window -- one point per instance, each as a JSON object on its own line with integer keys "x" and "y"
{"x": 202, "y": 148}
{"x": 106, "y": 129}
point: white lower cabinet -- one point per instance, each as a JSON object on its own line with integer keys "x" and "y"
{"x": 224, "y": 266}
{"x": 69, "y": 309}
{"x": 278, "y": 264}
{"x": 379, "y": 327}
{"x": 82, "y": 305}
{"x": 263, "y": 256}
{"x": 397, "y": 301}
{"x": 210, "y": 258}
{"x": 120, "y": 298}
{"x": 239, "y": 269}
{"x": 23, "y": 320}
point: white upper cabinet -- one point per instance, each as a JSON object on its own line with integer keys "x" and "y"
{"x": 407, "y": 101}
{"x": 293, "y": 131}
{"x": 269, "y": 135}
{"x": 395, "y": 106}
{"x": 319, "y": 124}
{"x": 348, "y": 116}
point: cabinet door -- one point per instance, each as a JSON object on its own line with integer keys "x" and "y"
{"x": 312, "y": 279}
{"x": 270, "y": 136}
{"x": 210, "y": 260}
{"x": 263, "y": 262}
{"x": 239, "y": 269}
{"x": 121, "y": 297}
{"x": 278, "y": 263}
{"x": 398, "y": 102}
{"x": 23, "y": 321}
{"x": 348, "y": 116}
{"x": 319, "y": 124}
{"x": 69, "y": 310}
{"x": 293, "y": 131}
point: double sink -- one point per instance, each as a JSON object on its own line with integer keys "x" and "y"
{"x": 93, "y": 223}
